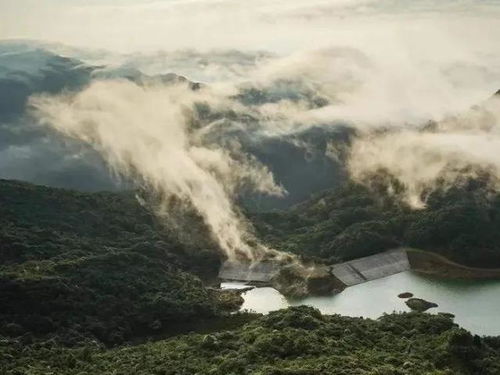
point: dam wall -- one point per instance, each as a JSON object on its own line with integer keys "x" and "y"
{"x": 261, "y": 272}
{"x": 371, "y": 267}
{"x": 349, "y": 273}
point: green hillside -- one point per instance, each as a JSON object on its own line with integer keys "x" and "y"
{"x": 93, "y": 266}
{"x": 297, "y": 341}
{"x": 460, "y": 223}
{"x": 94, "y": 284}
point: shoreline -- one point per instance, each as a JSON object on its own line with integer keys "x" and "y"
{"x": 429, "y": 263}
{"x": 418, "y": 261}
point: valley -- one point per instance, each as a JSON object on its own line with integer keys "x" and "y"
{"x": 80, "y": 298}
{"x": 199, "y": 187}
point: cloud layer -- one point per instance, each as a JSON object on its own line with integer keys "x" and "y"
{"x": 436, "y": 156}
{"x": 356, "y": 79}
{"x": 148, "y": 133}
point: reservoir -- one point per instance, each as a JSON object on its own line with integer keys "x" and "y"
{"x": 475, "y": 303}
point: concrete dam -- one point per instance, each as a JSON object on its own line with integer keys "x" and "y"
{"x": 372, "y": 267}
{"x": 261, "y": 272}
{"x": 349, "y": 273}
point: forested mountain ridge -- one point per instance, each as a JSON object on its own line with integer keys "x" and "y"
{"x": 80, "y": 271}
{"x": 298, "y": 341}
{"x": 93, "y": 266}
{"x": 460, "y": 223}
{"x": 38, "y": 154}
{"x": 103, "y": 266}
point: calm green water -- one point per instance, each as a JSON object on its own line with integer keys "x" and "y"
{"x": 476, "y": 304}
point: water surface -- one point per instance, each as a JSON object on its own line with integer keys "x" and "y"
{"x": 476, "y": 304}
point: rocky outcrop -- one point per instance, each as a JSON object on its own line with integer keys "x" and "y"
{"x": 289, "y": 275}
{"x": 228, "y": 300}
{"x": 405, "y": 295}
{"x": 420, "y": 305}
{"x": 298, "y": 280}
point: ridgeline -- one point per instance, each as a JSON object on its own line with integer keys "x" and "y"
{"x": 351, "y": 222}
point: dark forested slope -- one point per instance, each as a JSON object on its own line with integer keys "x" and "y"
{"x": 460, "y": 223}
{"x": 92, "y": 265}
{"x": 81, "y": 271}
{"x": 296, "y": 341}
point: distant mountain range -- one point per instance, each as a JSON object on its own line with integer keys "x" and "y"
{"x": 32, "y": 153}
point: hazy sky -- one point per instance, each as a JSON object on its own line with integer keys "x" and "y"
{"x": 279, "y": 25}
{"x": 424, "y": 58}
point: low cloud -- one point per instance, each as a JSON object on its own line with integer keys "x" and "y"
{"x": 436, "y": 156}
{"x": 382, "y": 70}
{"x": 147, "y": 133}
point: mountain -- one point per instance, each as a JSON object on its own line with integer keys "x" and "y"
{"x": 27, "y": 150}
{"x": 353, "y": 221}
{"x": 26, "y": 69}
{"x": 92, "y": 283}
{"x": 37, "y": 154}
{"x": 298, "y": 340}
{"x": 100, "y": 266}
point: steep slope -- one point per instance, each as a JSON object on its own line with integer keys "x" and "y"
{"x": 37, "y": 154}
{"x": 460, "y": 223}
{"x": 28, "y": 151}
{"x": 93, "y": 265}
{"x": 296, "y": 341}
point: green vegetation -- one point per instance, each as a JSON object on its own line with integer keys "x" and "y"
{"x": 295, "y": 341}
{"x": 93, "y": 284}
{"x": 460, "y": 223}
{"x": 78, "y": 266}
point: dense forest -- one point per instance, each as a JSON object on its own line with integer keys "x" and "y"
{"x": 94, "y": 283}
{"x": 93, "y": 266}
{"x": 353, "y": 221}
{"x": 169, "y": 169}
{"x": 297, "y": 341}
